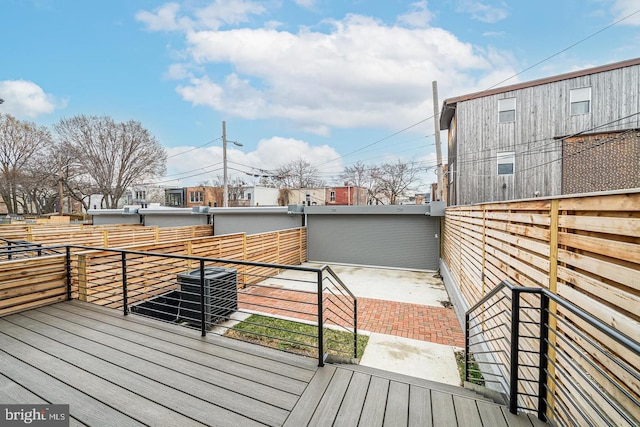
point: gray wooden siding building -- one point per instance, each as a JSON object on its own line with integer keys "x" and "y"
{"x": 507, "y": 143}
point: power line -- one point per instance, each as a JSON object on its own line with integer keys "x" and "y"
{"x": 493, "y": 86}
{"x": 563, "y": 50}
{"x": 194, "y": 148}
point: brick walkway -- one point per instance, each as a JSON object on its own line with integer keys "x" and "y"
{"x": 415, "y": 321}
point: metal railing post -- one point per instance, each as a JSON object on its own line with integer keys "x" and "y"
{"x": 515, "y": 345}
{"x": 68, "y": 268}
{"x": 355, "y": 328}
{"x": 466, "y": 346}
{"x": 203, "y": 326}
{"x": 125, "y": 298}
{"x": 543, "y": 361}
{"x": 320, "y": 322}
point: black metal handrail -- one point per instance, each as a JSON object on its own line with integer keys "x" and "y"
{"x": 120, "y": 289}
{"x": 548, "y": 336}
{"x": 337, "y": 305}
{"x": 19, "y": 249}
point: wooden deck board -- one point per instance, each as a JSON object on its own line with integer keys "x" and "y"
{"x": 281, "y": 391}
{"x": 120, "y": 370}
{"x": 349, "y": 413}
{"x": 328, "y": 407}
{"x": 135, "y": 374}
{"x": 443, "y": 409}
{"x": 467, "y": 412}
{"x": 13, "y": 393}
{"x": 375, "y": 403}
{"x": 306, "y": 407}
{"x": 302, "y": 368}
{"x": 419, "y": 407}
{"x": 397, "y": 413}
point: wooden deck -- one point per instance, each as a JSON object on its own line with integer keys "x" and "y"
{"x": 122, "y": 371}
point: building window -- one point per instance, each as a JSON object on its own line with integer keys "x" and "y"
{"x": 141, "y": 195}
{"x": 507, "y": 110}
{"x": 332, "y": 196}
{"x": 248, "y": 196}
{"x": 580, "y": 100}
{"x": 506, "y": 163}
{"x": 196, "y": 196}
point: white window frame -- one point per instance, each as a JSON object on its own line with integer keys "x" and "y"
{"x": 332, "y": 196}
{"x": 141, "y": 195}
{"x": 577, "y": 97}
{"x": 195, "y": 196}
{"x": 506, "y": 105}
{"x": 506, "y": 158}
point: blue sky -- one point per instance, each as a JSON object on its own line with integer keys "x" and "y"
{"x": 317, "y": 79}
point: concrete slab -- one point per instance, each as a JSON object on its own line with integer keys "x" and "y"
{"x": 422, "y": 359}
{"x": 413, "y": 287}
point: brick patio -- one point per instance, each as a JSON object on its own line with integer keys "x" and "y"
{"x": 420, "y": 322}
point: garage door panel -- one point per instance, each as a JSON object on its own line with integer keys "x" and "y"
{"x": 405, "y": 241}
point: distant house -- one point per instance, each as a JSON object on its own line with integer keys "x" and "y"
{"x": 253, "y": 196}
{"x": 346, "y": 195}
{"x": 571, "y": 133}
{"x": 187, "y": 197}
{"x": 316, "y": 196}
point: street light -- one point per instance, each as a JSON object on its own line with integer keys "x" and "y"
{"x": 225, "y": 193}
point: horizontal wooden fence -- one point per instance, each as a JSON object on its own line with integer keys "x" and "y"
{"x": 108, "y": 236}
{"x": 94, "y": 272}
{"x": 30, "y": 283}
{"x": 585, "y": 249}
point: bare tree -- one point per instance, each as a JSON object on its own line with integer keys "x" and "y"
{"x": 359, "y": 175}
{"x": 392, "y": 180}
{"x": 108, "y": 156}
{"x": 298, "y": 174}
{"x": 21, "y": 145}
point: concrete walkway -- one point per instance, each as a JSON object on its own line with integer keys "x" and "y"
{"x": 411, "y": 332}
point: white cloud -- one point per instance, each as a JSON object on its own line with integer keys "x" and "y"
{"x": 418, "y": 17}
{"x": 163, "y": 18}
{"x": 307, "y": 4}
{"x": 213, "y": 16}
{"x": 361, "y": 73}
{"x": 23, "y": 98}
{"x": 483, "y": 12}
{"x": 623, "y": 8}
{"x": 206, "y": 163}
{"x": 355, "y": 72}
{"x": 180, "y": 71}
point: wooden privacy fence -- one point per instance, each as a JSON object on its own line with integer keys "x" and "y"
{"x": 110, "y": 236}
{"x": 29, "y": 283}
{"x": 585, "y": 249}
{"x": 95, "y": 272}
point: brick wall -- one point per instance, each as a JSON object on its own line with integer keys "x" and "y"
{"x": 601, "y": 162}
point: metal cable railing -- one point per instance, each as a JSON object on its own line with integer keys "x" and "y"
{"x": 564, "y": 363}
{"x": 221, "y": 296}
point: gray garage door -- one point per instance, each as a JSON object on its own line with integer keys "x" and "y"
{"x": 406, "y": 241}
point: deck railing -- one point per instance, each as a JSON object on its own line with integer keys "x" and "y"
{"x": 340, "y": 309}
{"x": 523, "y": 342}
{"x": 19, "y": 249}
{"x": 304, "y": 302}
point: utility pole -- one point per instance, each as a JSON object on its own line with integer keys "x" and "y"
{"x": 436, "y": 118}
{"x": 60, "y": 195}
{"x": 225, "y": 193}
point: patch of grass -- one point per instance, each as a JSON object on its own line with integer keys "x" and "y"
{"x": 295, "y": 337}
{"x": 475, "y": 376}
